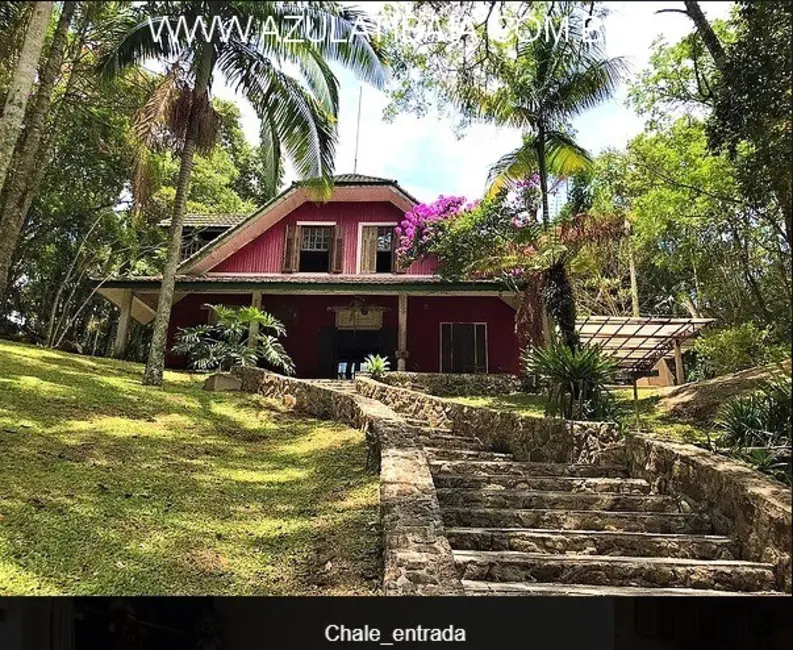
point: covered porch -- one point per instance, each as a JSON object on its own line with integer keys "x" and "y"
{"x": 421, "y": 324}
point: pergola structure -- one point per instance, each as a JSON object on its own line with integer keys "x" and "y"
{"x": 638, "y": 343}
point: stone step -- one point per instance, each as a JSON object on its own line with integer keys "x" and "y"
{"x": 513, "y": 468}
{"x": 553, "y": 483}
{"x": 513, "y": 566}
{"x": 441, "y": 453}
{"x": 425, "y": 428}
{"x": 481, "y": 588}
{"x": 530, "y": 499}
{"x": 433, "y": 439}
{"x": 590, "y": 542}
{"x": 649, "y": 522}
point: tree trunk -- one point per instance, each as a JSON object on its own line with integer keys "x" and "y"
{"x": 21, "y": 84}
{"x": 155, "y": 364}
{"x": 557, "y": 294}
{"x": 29, "y": 160}
{"x": 65, "y": 281}
{"x": 706, "y": 33}
{"x": 632, "y": 269}
{"x": 546, "y": 217}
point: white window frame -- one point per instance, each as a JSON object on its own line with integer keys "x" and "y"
{"x": 462, "y": 322}
{"x": 318, "y": 224}
{"x": 359, "y": 242}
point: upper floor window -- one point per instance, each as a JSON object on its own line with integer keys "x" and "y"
{"x": 377, "y": 249}
{"x": 385, "y": 238}
{"x": 315, "y": 249}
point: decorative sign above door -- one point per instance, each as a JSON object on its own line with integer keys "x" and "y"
{"x": 355, "y": 319}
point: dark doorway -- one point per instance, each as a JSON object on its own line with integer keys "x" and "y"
{"x": 463, "y": 347}
{"x": 351, "y": 347}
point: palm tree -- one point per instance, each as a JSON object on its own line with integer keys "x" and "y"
{"x": 297, "y": 111}
{"x": 543, "y": 88}
{"x": 548, "y": 83}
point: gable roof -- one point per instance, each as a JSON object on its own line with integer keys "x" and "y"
{"x": 209, "y": 220}
{"x": 347, "y": 187}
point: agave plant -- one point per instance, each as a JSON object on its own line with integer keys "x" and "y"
{"x": 227, "y": 343}
{"x": 575, "y": 380}
{"x": 376, "y": 366}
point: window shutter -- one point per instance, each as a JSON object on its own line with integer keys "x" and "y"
{"x": 337, "y": 250}
{"x": 368, "y": 249}
{"x": 396, "y": 267}
{"x": 291, "y": 248}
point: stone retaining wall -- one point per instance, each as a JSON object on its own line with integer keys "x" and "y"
{"x": 454, "y": 385}
{"x": 418, "y": 560}
{"x": 757, "y": 509}
{"x": 529, "y": 438}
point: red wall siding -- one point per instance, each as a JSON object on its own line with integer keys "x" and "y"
{"x": 304, "y": 317}
{"x": 188, "y": 312}
{"x": 425, "y": 314}
{"x": 265, "y": 253}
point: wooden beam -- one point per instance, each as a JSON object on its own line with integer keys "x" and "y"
{"x": 402, "y": 340}
{"x": 122, "y": 331}
{"x": 679, "y": 374}
{"x": 253, "y": 329}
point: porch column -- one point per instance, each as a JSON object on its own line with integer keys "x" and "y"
{"x": 122, "y": 331}
{"x": 680, "y": 378}
{"x": 253, "y": 330}
{"x": 402, "y": 340}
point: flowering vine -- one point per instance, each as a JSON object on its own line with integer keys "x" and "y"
{"x": 415, "y": 230}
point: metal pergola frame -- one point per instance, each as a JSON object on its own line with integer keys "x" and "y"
{"x": 638, "y": 343}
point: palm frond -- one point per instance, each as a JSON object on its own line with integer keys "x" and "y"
{"x": 304, "y": 129}
{"x": 513, "y": 166}
{"x": 562, "y": 156}
{"x": 336, "y": 34}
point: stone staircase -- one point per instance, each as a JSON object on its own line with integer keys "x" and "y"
{"x": 520, "y": 528}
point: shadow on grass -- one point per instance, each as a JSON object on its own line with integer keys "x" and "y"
{"x": 195, "y": 493}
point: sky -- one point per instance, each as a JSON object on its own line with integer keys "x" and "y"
{"x": 426, "y": 157}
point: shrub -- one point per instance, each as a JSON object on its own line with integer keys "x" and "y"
{"x": 226, "y": 344}
{"x": 762, "y": 419}
{"x": 575, "y": 380}
{"x": 733, "y": 349}
{"x": 376, "y": 366}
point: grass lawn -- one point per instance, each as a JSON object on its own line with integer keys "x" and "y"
{"x": 653, "y": 417}
{"x": 110, "y": 487}
{"x": 522, "y": 403}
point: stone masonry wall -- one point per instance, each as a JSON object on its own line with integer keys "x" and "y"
{"x": 757, "y": 510}
{"x": 529, "y": 438}
{"x": 417, "y": 557}
{"x": 454, "y": 385}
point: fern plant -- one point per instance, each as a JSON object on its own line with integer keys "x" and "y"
{"x": 226, "y": 343}
{"x": 575, "y": 380}
{"x": 376, "y": 366}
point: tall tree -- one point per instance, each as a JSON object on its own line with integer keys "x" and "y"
{"x": 21, "y": 84}
{"x": 29, "y": 150}
{"x": 537, "y": 77}
{"x": 296, "y": 120}
{"x": 540, "y": 91}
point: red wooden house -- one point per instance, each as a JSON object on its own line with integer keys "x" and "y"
{"x": 327, "y": 271}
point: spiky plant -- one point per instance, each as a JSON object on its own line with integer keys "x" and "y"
{"x": 227, "y": 343}
{"x": 376, "y": 366}
{"x": 761, "y": 419}
{"x": 575, "y": 379}
{"x": 298, "y": 110}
